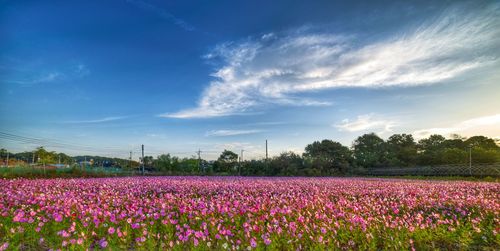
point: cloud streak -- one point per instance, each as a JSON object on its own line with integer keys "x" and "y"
{"x": 43, "y": 78}
{"x": 364, "y": 123}
{"x": 66, "y": 73}
{"x": 162, "y": 13}
{"x": 284, "y": 69}
{"x": 95, "y": 121}
{"x": 224, "y": 133}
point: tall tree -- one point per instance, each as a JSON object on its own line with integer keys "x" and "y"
{"x": 226, "y": 162}
{"x": 45, "y": 157}
{"x": 402, "y": 150}
{"x": 329, "y": 155}
{"x": 430, "y": 150}
{"x": 433, "y": 143}
{"x": 228, "y": 156}
{"x": 453, "y": 156}
{"x": 370, "y": 151}
{"x": 286, "y": 164}
{"x": 482, "y": 142}
{"x": 163, "y": 163}
{"x": 148, "y": 160}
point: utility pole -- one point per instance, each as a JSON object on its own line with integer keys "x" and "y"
{"x": 266, "y": 150}
{"x": 85, "y": 162}
{"x": 199, "y": 159}
{"x": 33, "y": 159}
{"x": 142, "y": 159}
{"x": 470, "y": 160}
{"x": 7, "y": 158}
{"x": 43, "y": 162}
{"x": 241, "y": 162}
{"x": 130, "y": 160}
{"x": 59, "y": 155}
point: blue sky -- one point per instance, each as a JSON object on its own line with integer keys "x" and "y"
{"x": 106, "y": 76}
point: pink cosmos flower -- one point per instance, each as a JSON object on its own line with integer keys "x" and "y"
{"x": 198, "y": 208}
{"x": 58, "y": 217}
{"x": 267, "y": 241}
{"x": 253, "y": 243}
{"x": 103, "y": 243}
{"x": 4, "y": 246}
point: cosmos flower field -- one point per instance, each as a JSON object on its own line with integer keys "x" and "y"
{"x": 200, "y": 213}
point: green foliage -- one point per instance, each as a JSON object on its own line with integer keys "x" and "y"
{"x": 226, "y": 163}
{"x": 481, "y": 142}
{"x": 402, "y": 150}
{"x": 320, "y": 158}
{"x": 370, "y": 151}
{"x": 70, "y": 172}
{"x": 328, "y": 156}
{"x": 228, "y": 157}
{"x": 189, "y": 166}
{"x": 148, "y": 160}
{"x": 98, "y": 161}
{"x": 45, "y": 157}
{"x": 165, "y": 163}
{"x": 454, "y": 156}
{"x": 286, "y": 164}
{"x": 437, "y": 150}
{"x": 254, "y": 168}
{"x": 3, "y": 152}
{"x": 482, "y": 155}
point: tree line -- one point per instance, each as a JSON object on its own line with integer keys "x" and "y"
{"x": 328, "y": 157}
{"x": 40, "y": 156}
{"x": 320, "y": 158}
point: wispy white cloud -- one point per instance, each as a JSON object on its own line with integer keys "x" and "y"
{"x": 267, "y": 123}
{"x": 156, "y": 135}
{"x": 474, "y": 125}
{"x": 366, "y": 122}
{"x": 91, "y": 121}
{"x": 42, "y": 78}
{"x": 49, "y": 77}
{"x": 283, "y": 69}
{"x": 223, "y": 133}
{"x": 251, "y": 151}
{"x": 236, "y": 145}
{"x": 35, "y": 76}
{"x": 81, "y": 70}
{"x": 162, "y": 13}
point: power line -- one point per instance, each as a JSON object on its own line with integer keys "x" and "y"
{"x": 134, "y": 149}
{"x": 52, "y": 142}
{"x": 56, "y": 143}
